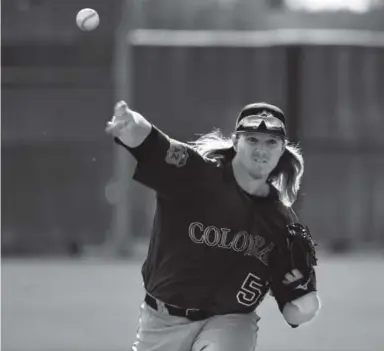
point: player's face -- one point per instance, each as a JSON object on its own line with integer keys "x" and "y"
{"x": 258, "y": 153}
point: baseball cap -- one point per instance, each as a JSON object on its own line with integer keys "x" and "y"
{"x": 261, "y": 117}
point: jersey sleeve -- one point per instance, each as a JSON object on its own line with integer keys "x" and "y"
{"x": 168, "y": 166}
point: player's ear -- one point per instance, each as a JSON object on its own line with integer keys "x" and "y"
{"x": 283, "y": 147}
{"x": 235, "y": 140}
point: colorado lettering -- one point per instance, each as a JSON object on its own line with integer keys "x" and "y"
{"x": 192, "y": 232}
{"x": 242, "y": 241}
{"x": 223, "y": 242}
{"x": 212, "y": 236}
{"x": 241, "y": 237}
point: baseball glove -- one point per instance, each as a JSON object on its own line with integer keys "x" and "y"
{"x": 298, "y": 252}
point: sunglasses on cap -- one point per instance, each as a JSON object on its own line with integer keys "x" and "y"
{"x": 255, "y": 123}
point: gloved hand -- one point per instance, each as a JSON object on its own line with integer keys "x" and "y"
{"x": 292, "y": 265}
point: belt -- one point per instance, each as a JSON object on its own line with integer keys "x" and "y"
{"x": 192, "y": 314}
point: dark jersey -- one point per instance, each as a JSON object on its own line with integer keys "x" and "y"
{"x": 210, "y": 242}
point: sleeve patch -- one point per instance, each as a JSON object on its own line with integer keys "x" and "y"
{"x": 177, "y": 154}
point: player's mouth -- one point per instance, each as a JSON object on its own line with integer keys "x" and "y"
{"x": 259, "y": 161}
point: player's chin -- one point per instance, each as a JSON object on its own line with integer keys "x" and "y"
{"x": 258, "y": 175}
{"x": 259, "y": 170}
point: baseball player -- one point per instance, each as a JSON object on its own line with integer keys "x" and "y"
{"x": 224, "y": 233}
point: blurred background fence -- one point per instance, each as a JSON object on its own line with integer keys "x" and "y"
{"x": 59, "y": 88}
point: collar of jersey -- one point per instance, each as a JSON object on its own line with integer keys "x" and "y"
{"x": 229, "y": 176}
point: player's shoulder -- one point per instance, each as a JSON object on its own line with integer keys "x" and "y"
{"x": 287, "y": 213}
{"x": 208, "y": 159}
{"x": 182, "y": 154}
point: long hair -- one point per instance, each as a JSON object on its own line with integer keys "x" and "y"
{"x": 286, "y": 176}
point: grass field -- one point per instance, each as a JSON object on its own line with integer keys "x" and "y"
{"x": 53, "y": 305}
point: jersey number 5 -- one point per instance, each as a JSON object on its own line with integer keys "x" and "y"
{"x": 250, "y": 291}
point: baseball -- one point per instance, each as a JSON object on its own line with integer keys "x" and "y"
{"x": 87, "y": 19}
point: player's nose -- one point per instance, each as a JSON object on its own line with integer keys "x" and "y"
{"x": 260, "y": 151}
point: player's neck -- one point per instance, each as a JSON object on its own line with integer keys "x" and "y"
{"x": 252, "y": 186}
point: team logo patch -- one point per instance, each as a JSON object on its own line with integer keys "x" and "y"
{"x": 267, "y": 114}
{"x": 177, "y": 154}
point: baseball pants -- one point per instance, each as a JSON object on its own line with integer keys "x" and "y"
{"x": 159, "y": 331}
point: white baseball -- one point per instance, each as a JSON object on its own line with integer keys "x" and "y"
{"x": 87, "y": 19}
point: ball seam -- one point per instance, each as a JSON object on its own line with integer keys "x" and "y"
{"x": 85, "y": 19}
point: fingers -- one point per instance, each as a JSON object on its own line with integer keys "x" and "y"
{"x": 292, "y": 276}
{"x": 119, "y": 120}
{"x": 121, "y": 108}
{"x": 115, "y": 127}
